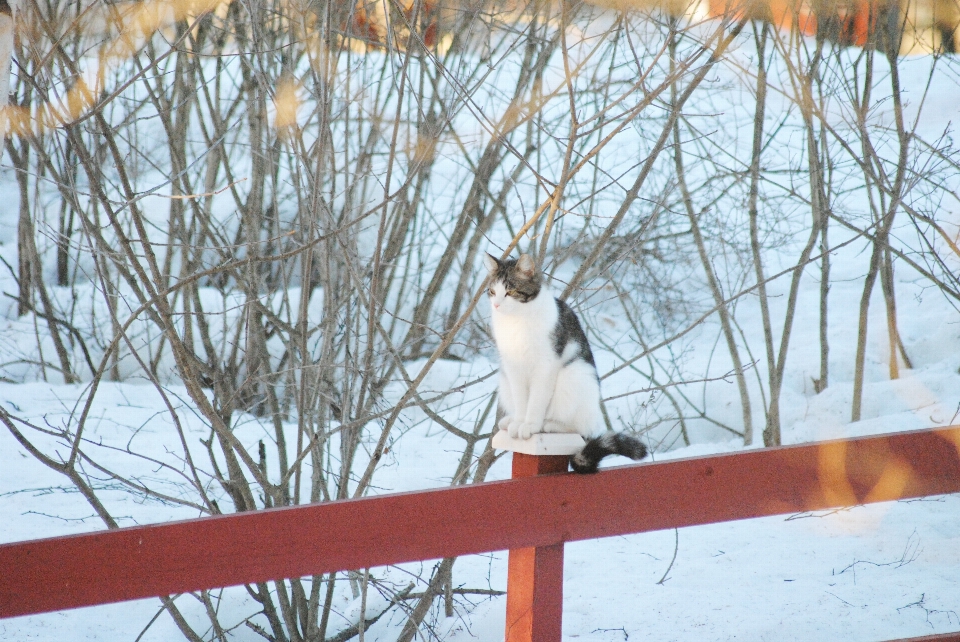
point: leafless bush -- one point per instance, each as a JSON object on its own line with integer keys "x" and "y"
{"x": 275, "y": 210}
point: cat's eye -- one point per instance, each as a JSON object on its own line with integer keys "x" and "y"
{"x": 491, "y": 292}
{"x": 512, "y": 293}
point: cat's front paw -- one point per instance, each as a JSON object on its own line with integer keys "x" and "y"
{"x": 506, "y": 423}
{"x": 525, "y": 429}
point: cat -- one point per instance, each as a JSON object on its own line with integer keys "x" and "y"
{"x": 548, "y": 377}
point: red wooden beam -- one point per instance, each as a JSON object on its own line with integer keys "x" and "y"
{"x": 144, "y": 561}
{"x": 535, "y": 574}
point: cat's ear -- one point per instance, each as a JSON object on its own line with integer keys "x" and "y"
{"x": 526, "y": 266}
{"x": 491, "y": 262}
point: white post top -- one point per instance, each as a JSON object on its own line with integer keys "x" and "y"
{"x": 541, "y": 443}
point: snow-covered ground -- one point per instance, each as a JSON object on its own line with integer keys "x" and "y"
{"x": 877, "y": 572}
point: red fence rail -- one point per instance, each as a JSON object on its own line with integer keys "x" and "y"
{"x": 130, "y": 563}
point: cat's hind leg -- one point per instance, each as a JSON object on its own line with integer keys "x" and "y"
{"x": 575, "y": 406}
{"x": 552, "y": 425}
{"x": 505, "y": 402}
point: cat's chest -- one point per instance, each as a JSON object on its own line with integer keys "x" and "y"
{"x": 522, "y": 339}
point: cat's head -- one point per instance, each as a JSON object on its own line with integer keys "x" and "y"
{"x": 513, "y": 282}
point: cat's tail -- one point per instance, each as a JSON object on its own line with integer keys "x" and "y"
{"x": 610, "y": 443}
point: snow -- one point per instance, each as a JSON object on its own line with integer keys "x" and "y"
{"x": 865, "y": 573}
{"x": 876, "y": 572}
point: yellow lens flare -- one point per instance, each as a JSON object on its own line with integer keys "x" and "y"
{"x": 838, "y": 483}
{"x": 893, "y": 482}
{"x": 835, "y": 486}
{"x": 286, "y": 102}
{"x": 951, "y": 435}
{"x": 133, "y": 23}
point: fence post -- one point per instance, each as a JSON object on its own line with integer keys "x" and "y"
{"x": 535, "y": 575}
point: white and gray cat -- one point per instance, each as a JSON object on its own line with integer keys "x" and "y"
{"x": 548, "y": 378}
